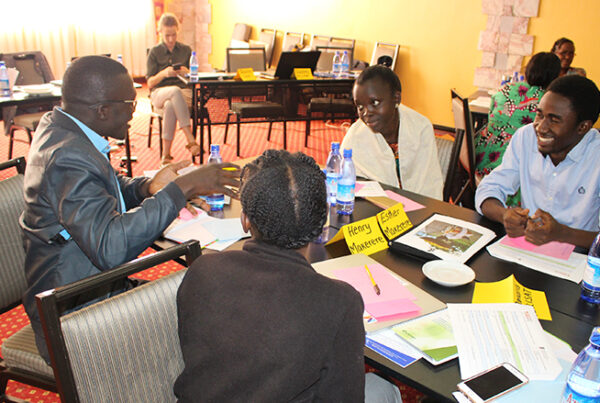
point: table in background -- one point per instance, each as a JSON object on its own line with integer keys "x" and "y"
{"x": 573, "y": 320}
{"x": 281, "y": 91}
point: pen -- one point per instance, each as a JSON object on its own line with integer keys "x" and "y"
{"x": 375, "y": 286}
{"x": 229, "y": 169}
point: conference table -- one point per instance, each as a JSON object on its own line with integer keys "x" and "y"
{"x": 284, "y": 91}
{"x": 572, "y": 319}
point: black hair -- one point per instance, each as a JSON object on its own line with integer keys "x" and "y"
{"x": 559, "y": 43}
{"x": 581, "y": 92}
{"x": 90, "y": 78}
{"x": 386, "y": 75}
{"x": 542, "y": 69}
{"x": 284, "y": 197}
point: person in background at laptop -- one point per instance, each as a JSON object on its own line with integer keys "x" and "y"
{"x": 166, "y": 61}
{"x": 260, "y": 325}
{"x": 392, "y": 143}
{"x": 554, "y": 161}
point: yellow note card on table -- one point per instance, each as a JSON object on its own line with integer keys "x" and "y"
{"x": 510, "y": 290}
{"x": 394, "y": 221}
{"x": 245, "y": 74}
{"x": 362, "y": 236}
{"x": 302, "y": 73}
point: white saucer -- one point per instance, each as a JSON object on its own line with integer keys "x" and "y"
{"x": 38, "y": 89}
{"x": 449, "y": 274}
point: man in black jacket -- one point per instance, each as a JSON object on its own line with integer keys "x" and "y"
{"x": 80, "y": 217}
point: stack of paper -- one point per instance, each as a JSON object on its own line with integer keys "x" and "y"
{"x": 554, "y": 259}
{"x": 394, "y": 301}
{"x": 490, "y": 334}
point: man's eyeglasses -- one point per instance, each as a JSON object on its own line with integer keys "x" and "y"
{"x": 131, "y": 102}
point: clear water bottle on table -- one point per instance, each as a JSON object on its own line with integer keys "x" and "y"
{"x": 193, "y": 67}
{"x": 215, "y": 201}
{"x": 590, "y": 286}
{"x": 345, "y": 62}
{"x": 333, "y": 171}
{"x": 337, "y": 64}
{"x": 4, "y": 81}
{"x": 346, "y": 185}
{"x": 583, "y": 382}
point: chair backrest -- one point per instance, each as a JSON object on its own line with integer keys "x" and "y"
{"x": 33, "y": 67}
{"x": 325, "y": 62}
{"x": 343, "y": 42}
{"x": 241, "y": 32}
{"x": 385, "y": 49}
{"x": 12, "y": 275}
{"x": 319, "y": 40}
{"x": 238, "y": 58}
{"x": 290, "y": 40}
{"x": 463, "y": 152}
{"x": 125, "y": 348}
{"x": 266, "y": 39}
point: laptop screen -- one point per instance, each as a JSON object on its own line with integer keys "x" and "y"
{"x": 288, "y": 61}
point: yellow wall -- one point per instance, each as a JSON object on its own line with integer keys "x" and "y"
{"x": 438, "y": 38}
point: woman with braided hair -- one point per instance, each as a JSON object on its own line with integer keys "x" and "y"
{"x": 260, "y": 324}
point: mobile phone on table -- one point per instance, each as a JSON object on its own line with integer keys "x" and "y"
{"x": 177, "y": 66}
{"x": 492, "y": 383}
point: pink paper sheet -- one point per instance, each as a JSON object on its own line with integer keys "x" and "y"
{"x": 391, "y": 288}
{"x": 408, "y": 204}
{"x": 388, "y": 310}
{"x": 185, "y": 214}
{"x": 557, "y": 250}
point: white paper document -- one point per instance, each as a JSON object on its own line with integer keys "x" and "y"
{"x": 490, "y": 334}
{"x": 369, "y": 189}
{"x": 212, "y": 233}
{"x": 393, "y": 347}
{"x": 571, "y": 269}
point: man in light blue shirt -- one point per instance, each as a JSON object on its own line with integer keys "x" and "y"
{"x": 555, "y": 162}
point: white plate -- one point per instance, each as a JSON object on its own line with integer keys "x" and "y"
{"x": 449, "y": 274}
{"x": 38, "y": 89}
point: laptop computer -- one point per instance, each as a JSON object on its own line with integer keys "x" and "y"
{"x": 288, "y": 61}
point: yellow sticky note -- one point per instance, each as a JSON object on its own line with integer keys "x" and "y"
{"x": 245, "y": 74}
{"x": 302, "y": 73}
{"x": 364, "y": 236}
{"x": 394, "y": 221}
{"x": 510, "y": 290}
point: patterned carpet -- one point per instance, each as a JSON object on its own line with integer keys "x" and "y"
{"x": 253, "y": 142}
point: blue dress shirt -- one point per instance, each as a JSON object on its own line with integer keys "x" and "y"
{"x": 569, "y": 191}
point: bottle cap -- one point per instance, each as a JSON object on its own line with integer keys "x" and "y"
{"x": 347, "y": 153}
{"x": 595, "y": 337}
{"x": 335, "y": 146}
{"x": 193, "y": 53}
{"x": 2, "y": 63}
{"x": 214, "y": 148}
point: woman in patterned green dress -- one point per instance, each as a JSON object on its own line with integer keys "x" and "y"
{"x": 512, "y": 107}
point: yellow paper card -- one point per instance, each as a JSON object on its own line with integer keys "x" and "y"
{"x": 510, "y": 290}
{"x": 393, "y": 221}
{"x": 364, "y": 236}
{"x": 245, "y": 74}
{"x": 302, "y": 74}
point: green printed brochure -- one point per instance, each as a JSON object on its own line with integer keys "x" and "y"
{"x": 432, "y": 335}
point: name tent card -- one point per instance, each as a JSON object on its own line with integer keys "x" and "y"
{"x": 394, "y": 221}
{"x": 245, "y": 74}
{"x": 302, "y": 73}
{"x": 362, "y": 236}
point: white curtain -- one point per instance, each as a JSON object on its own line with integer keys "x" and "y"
{"x": 63, "y": 29}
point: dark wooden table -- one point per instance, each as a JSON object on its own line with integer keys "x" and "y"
{"x": 572, "y": 319}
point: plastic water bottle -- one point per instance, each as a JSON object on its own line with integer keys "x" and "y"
{"x": 346, "y": 185}
{"x": 194, "y": 67}
{"x": 590, "y": 286}
{"x": 337, "y": 64}
{"x": 345, "y": 61}
{"x": 4, "y": 82}
{"x": 333, "y": 171}
{"x": 583, "y": 382}
{"x": 120, "y": 58}
{"x": 215, "y": 201}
